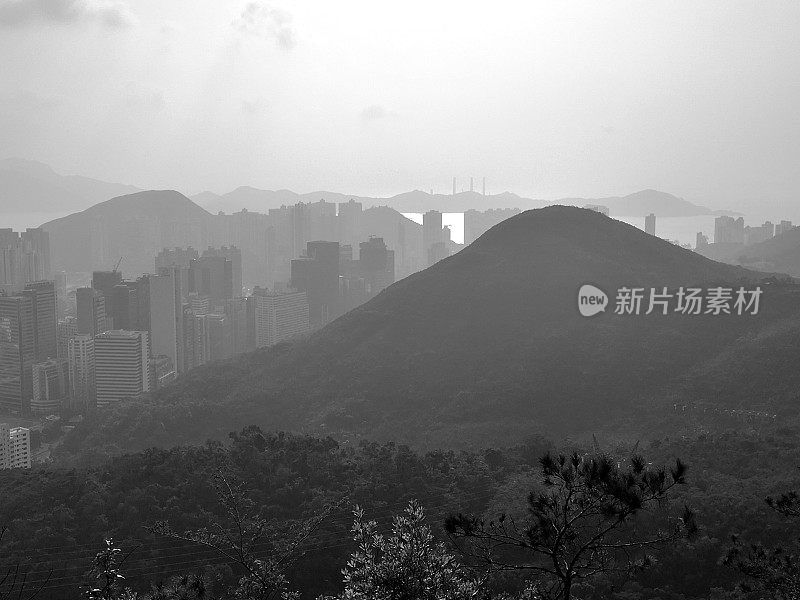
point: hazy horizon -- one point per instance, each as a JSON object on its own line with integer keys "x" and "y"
{"x": 544, "y": 100}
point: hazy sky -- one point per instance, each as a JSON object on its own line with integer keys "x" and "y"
{"x": 548, "y": 99}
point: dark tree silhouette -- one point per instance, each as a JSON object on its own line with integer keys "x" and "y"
{"x": 582, "y": 525}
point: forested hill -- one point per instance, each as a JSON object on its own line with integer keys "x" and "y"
{"x": 57, "y": 518}
{"x": 488, "y": 345}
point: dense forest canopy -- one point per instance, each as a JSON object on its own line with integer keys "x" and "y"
{"x": 57, "y": 519}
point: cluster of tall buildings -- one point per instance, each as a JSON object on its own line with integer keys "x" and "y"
{"x": 116, "y": 338}
{"x": 435, "y": 238}
{"x": 28, "y": 344}
{"x": 267, "y": 242}
{"x": 125, "y": 337}
{"x": 728, "y": 230}
{"x": 476, "y": 222}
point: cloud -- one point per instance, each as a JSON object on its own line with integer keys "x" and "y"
{"x": 113, "y": 14}
{"x": 374, "y": 112}
{"x": 268, "y": 22}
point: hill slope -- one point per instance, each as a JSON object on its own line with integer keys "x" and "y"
{"x": 135, "y": 227}
{"x": 485, "y": 347}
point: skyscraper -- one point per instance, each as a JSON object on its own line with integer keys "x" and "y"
{"x": 23, "y": 258}
{"x": 15, "y": 447}
{"x": 122, "y": 365}
{"x": 322, "y": 220}
{"x": 125, "y": 304}
{"x": 212, "y": 276}
{"x": 300, "y": 228}
{"x": 175, "y": 257}
{"x": 67, "y": 329}
{"x": 650, "y": 224}
{"x": 236, "y": 311}
{"x": 166, "y": 315}
{"x": 349, "y": 221}
{"x": 431, "y": 232}
{"x": 91, "y": 307}
{"x": 49, "y": 387}
{"x": 43, "y": 302}
{"x": 81, "y": 372}
{"x": 317, "y": 274}
{"x": 17, "y": 352}
{"x": 104, "y": 282}
{"x": 60, "y": 277}
{"x": 728, "y": 230}
{"x": 27, "y": 335}
{"x": 279, "y": 316}
{"x": 234, "y": 255}
{"x": 376, "y": 265}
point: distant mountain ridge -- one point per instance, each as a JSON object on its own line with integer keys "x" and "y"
{"x": 32, "y": 187}
{"x": 487, "y": 347}
{"x": 637, "y": 204}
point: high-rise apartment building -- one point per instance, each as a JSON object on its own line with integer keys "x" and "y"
{"x": 783, "y": 227}
{"x": 376, "y": 265}
{"x": 433, "y": 235}
{"x": 17, "y": 352}
{"x": 279, "y": 316}
{"x": 66, "y": 330}
{"x": 15, "y": 447}
{"x": 650, "y": 224}
{"x": 322, "y": 220}
{"x": 82, "y": 373}
{"x": 317, "y": 274}
{"x": 300, "y": 228}
{"x": 166, "y": 315}
{"x": 27, "y": 336}
{"x": 122, "y": 365}
{"x": 23, "y": 258}
{"x": 104, "y": 282}
{"x": 234, "y": 255}
{"x": 728, "y": 230}
{"x": 43, "y": 301}
{"x": 476, "y": 223}
{"x": 91, "y": 308}
{"x": 212, "y": 276}
{"x": 49, "y": 387}
{"x": 62, "y": 303}
{"x": 349, "y": 222}
{"x": 236, "y": 311}
{"x": 175, "y": 257}
{"x": 755, "y": 235}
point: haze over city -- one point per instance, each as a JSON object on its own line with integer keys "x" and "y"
{"x": 306, "y": 300}
{"x": 544, "y": 99}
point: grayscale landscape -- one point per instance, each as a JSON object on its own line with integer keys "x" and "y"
{"x": 412, "y": 301}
